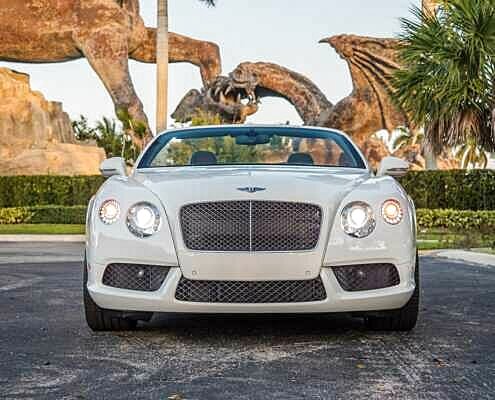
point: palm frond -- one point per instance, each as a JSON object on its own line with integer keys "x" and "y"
{"x": 448, "y": 83}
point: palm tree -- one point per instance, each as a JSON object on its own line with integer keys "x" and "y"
{"x": 448, "y": 83}
{"x": 470, "y": 154}
{"x": 162, "y": 63}
{"x": 117, "y": 140}
{"x": 407, "y": 138}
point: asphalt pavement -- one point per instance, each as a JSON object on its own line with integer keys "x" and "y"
{"x": 47, "y": 352}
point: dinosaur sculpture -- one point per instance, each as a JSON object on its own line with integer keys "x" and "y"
{"x": 367, "y": 110}
{"x": 106, "y": 32}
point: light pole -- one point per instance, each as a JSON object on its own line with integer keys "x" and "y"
{"x": 430, "y": 8}
{"x": 162, "y": 67}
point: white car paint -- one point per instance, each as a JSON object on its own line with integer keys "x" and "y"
{"x": 331, "y": 188}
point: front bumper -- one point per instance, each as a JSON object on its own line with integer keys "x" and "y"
{"x": 337, "y": 299}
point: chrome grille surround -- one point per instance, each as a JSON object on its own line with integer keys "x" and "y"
{"x": 250, "y": 292}
{"x": 251, "y": 226}
{"x": 144, "y": 278}
{"x": 355, "y": 278}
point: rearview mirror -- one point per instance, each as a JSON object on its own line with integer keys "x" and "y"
{"x": 113, "y": 166}
{"x": 393, "y": 166}
{"x": 252, "y": 140}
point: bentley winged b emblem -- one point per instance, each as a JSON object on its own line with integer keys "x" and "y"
{"x": 251, "y": 189}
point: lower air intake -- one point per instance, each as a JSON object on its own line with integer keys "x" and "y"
{"x": 355, "y": 278}
{"x": 244, "y": 292}
{"x": 144, "y": 278}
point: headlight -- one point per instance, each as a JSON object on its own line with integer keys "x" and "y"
{"x": 392, "y": 212}
{"x": 358, "y": 220}
{"x": 109, "y": 212}
{"x": 143, "y": 219}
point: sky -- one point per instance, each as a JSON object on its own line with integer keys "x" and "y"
{"x": 280, "y": 31}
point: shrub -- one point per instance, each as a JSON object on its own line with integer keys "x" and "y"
{"x": 460, "y": 190}
{"x": 457, "y": 189}
{"x": 45, "y": 190}
{"x": 43, "y": 215}
{"x": 482, "y": 222}
{"x": 457, "y": 220}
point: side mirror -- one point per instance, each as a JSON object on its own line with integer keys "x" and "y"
{"x": 393, "y": 166}
{"x": 113, "y": 166}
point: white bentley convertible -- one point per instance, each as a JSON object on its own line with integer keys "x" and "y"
{"x": 251, "y": 219}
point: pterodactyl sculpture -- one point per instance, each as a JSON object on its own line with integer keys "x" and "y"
{"x": 367, "y": 110}
{"x": 106, "y": 32}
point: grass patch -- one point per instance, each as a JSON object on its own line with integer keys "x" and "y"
{"x": 42, "y": 229}
{"x": 444, "y": 239}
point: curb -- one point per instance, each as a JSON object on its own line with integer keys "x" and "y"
{"x": 466, "y": 256}
{"x": 42, "y": 238}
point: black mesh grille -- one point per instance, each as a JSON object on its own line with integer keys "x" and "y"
{"x": 146, "y": 278}
{"x": 250, "y": 292}
{"x": 354, "y": 278}
{"x": 251, "y": 226}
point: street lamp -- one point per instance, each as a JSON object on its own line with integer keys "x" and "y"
{"x": 162, "y": 66}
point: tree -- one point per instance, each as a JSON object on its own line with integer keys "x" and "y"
{"x": 470, "y": 154}
{"x": 82, "y": 130}
{"x": 202, "y": 118}
{"x": 407, "y": 138}
{"x": 109, "y": 135}
{"x": 133, "y": 130}
{"x": 109, "y": 138}
{"x": 162, "y": 64}
{"x": 115, "y": 141}
{"x": 448, "y": 83}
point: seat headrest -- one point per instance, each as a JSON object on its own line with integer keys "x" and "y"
{"x": 346, "y": 161}
{"x": 301, "y": 158}
{"x": 203, "y": 158}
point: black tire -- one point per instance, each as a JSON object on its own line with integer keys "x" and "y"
{"x": 99, "y": 319}
{"x": 402, "y": 320}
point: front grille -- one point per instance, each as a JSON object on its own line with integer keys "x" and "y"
{"x": 245, "y": 292}
{"x": 354, "y": 278}
{"x": 145, "y": 278}
{"x": 251, "y": 226}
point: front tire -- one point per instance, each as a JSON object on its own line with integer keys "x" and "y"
{"x": 99, "y": 319}
{"x": 402, "y": 320}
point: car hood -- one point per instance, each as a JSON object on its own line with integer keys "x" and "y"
{"x": 222, "y": 183}
{"x": 176, "y": 187}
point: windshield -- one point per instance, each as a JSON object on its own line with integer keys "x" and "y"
{"x": 251, "y": 146}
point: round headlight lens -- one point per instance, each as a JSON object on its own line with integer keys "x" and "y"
{"x": 143, "y": 219}
{"x": 392, "y": 212}
{"x": 109, "y": 212}
{"x": 358, "y": 220}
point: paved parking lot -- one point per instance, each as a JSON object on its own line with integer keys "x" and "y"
{"x": 47, "y": 352}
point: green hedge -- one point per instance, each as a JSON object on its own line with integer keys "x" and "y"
{"x": 43, "y": 215}
{"x": 459, "y": 190}
{"x": 452, "y": 220}
{"x": 457, "y": 220}
{"x": 27, "y": 191}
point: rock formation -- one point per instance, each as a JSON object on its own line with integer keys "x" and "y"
{"x": 36, "y": 135}
{"x": 106, "y": 32}
{"x": 109, "y": 32}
